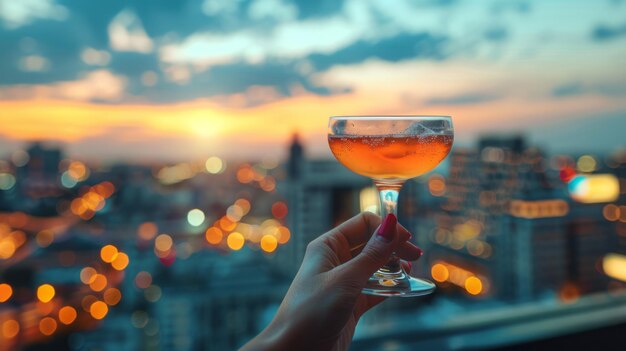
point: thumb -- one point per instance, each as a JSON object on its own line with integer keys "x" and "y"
{"x": 377, "y": 251}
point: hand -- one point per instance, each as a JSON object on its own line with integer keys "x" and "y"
{"x": 324, "y": 302}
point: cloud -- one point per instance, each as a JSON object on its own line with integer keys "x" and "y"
{"x": 569, "y": 89}
{"x": 606, "y": 33}
{"x": 608, "y": 89}
{"x": 98, "y": 86}
{"x": 18, "y": 13}
{"x": 496, "y": 34}
{"x": 287, "y": 40}
{"x": 397, "y": 48}
{"x": 281, "y": 78}
{"x": 463, "y": 99}
{"x": 126, "y": 33}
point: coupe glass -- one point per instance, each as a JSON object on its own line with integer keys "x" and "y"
{"x": 390, "y": 150}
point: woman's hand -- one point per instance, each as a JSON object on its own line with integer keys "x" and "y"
{"x": 324, "y": 302}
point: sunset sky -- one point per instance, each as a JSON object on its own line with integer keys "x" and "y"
{"x": 169, "y": 80}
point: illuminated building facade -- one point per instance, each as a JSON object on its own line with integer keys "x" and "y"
{"x": 507, "y": 219}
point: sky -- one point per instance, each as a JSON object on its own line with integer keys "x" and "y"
{"x": 169, "y": 80}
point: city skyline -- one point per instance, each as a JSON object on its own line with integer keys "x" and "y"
{"x": 162, "y": 81}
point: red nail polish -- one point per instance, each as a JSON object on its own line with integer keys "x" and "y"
{"x": 420, "y": 252}
{"x": 410, "y": 266}
{"x": 388, "y": 228}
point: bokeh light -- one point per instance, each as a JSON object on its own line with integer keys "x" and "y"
{"x": 235, "y": 241}
{"x": 143, "y": 280}
{"x": 108, "y": 253}
{"x": 44, "y": 238}
{"x": 439, "y": 272}
{"x": 47, "y": 326}
{"x": 87, "y": 275}
{"x": 153, "y": 293}
{"x": 10, "y": 328}
{"x": 195, "y": 217}
{"x": 213, "y": 235}
{"x": 98, "y": 310}
{"x": 214, "y": 165}
{"x": 45, "y": 292}
{"x": 279, "y": 210}
{"x": 147, "y": 230}
{"x": 473, "y": 285}
{"x": 99, "y": 282}
{"x": 67, "y": 315}
{"x": 112, "y": 296}
{"x": 120, "y": 262}
{"x": 285, "y": 235}
{"x": 6, "y": 291}
{"x": 269, "y": 243}
{"x": 7, "y": 181}
{"x": 163, "y": 243}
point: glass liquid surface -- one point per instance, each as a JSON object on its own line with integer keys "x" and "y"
{"x": 391, "y": 156}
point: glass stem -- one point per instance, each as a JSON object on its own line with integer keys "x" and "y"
{"x": 388, "y": 192}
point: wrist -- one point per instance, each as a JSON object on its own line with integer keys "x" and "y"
{"x": 274, "y": 337}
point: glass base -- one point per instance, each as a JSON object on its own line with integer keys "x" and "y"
{"x": 397, "y": 284}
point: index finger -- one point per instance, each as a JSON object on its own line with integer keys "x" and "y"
{"x": 359, "y": 229}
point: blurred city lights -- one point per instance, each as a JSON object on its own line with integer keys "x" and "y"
{"x": 47, "y": 326}
{"x": 78, "y": 171}
{"x": 539, "y": 209}
{"x": 586, "y": 164}
{"x": 614, "y": 265}
{"x": 279, "y": 210}
{"x": 437, "y": 185}
{"x": 20, "y": 158}
{"x": 244, "y": 204}
{"x": 473, "y": 285}
{"x": 67, "y": 315}
{"x": 87, "y": 301}
{"x": 108, "y": 253}
{"x": 67, "y": 180}
{"x": 120, "y": 262}
{"x": 163, "y": 243}
{"x": 44, "y": 238}
{"x": 214, "y": 235}
{"x": 195, "y": 217}
{"x": 147, "y": 230}
{"x": 611, "y": 212}
{"x": 439, "y": 272}
{"x": 215, "y": 165}
{"x": 7, "y": 181}
{"x": 269, "y": 243}
{"x": 594, "y": 188}
{"x": 471, "y": 282}
{"x": 87, "y": 275}
{"x": 99, "y": 282}
{"x": 10, "y": 328}
{"x": 112, "y": 296}
{"x": 285, "y": 235}
{"x": 234, "y": 213}
{"x": 152, "y": 293}
{"x": 45, "y": 292}
{"x": 143, "y": 280}
{"x": 139, "y": 319}
{"x": 235, "y": 241}
{"x": 5, "y": 292}
{"x": 98, "y": 310}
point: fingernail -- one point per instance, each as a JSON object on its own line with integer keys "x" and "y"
{"x": 420, "y": 252}
{"x": 387, "y": 229}
{"x": 410, "y": 236}
{"x": 410, "y": 266}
